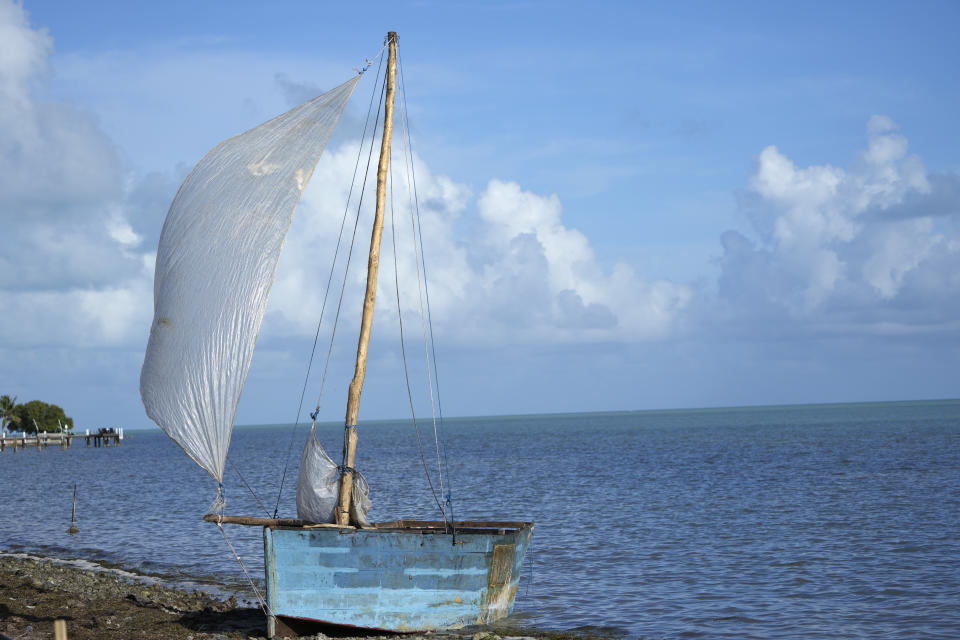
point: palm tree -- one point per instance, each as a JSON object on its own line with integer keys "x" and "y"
{"x": 6, "y": 411}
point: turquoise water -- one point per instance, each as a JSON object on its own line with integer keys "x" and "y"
{"x": 779, "y": 522}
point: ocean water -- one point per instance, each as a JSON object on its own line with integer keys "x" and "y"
{"x": 781, "y": 522}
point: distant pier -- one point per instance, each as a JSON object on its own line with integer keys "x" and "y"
{"x": 43, "y": 440}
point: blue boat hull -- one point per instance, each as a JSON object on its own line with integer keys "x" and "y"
{"x": 404, "y": 576}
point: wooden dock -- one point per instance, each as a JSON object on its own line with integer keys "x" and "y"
{"x": 43, "y": 440}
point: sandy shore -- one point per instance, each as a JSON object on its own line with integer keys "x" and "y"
{"x": 103, "y": 604}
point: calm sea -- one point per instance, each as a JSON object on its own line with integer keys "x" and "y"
{"x": 805, "y": 522}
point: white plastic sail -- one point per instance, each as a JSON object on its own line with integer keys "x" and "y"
{"x": 215, "y": 265}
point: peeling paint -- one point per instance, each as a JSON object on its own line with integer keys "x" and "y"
{"x": 456, "y": 600}
{"x": 501, "y": 567}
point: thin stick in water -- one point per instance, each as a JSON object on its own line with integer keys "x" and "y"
{"x": 73, "y": 516}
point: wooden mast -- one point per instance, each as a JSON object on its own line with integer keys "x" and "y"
{"x": 373, "y": 265}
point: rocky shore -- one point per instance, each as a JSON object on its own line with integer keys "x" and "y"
{"x": 101, "y": 604}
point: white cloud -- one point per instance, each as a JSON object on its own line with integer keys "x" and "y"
{"x": 898, "y": 250}
{"x": 866, "y": 244}
{"x": 524, "y": 234}
{"x": 23, "y": 56}
{"x": 108, "y": 316}
{"x": 502, "y": 267}
{"x": 121, "y": 231}
{"x": 835, "y": 244}
{"x": 70, "y": 272}
{"x": 809, "y": 216}
{"x": 51, "y": 156}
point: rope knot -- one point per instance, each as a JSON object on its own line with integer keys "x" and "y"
{"x": 219, "y": 502}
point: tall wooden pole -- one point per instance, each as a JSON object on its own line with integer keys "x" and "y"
{"x": 373, "y": 266}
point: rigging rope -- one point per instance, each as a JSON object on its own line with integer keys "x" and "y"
{"x": 405, "y": 124}
{"x": 422, "y": 290}
{"x": 403, "y": 351}
{"x": 333, "y": 264}
{"x": 260, "y": 599}
{"x": 220, "y": 501}
{"x": 249, "y": 488}
{"x": 353, "y": 238}
{"x": 346, "y": 271}
{"x": 217, "y": 507}
{"x": 423, "y": 317}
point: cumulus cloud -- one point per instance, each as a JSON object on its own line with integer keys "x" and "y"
{"x": 71, "y": 265}
{"x": 50, "y": 154}
{"x": 578, "y": 299}
{"x": 502, "y": 265}
{"x": 869, "y": 246}
{"x": 76, "y": 266}
{"x": 858, "y": 249}
{"x": 23, "y": 52}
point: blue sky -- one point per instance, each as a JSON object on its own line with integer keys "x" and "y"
{"x": 636, "y": 205}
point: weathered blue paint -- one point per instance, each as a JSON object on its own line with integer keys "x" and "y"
{"x": 411, "y": 579}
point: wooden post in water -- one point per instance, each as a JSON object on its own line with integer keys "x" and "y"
{"x": 373, "y": 266}
{"x": 72, "y": 529}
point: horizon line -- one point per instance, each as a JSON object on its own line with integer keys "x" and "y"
{"x": 606, "y": 412}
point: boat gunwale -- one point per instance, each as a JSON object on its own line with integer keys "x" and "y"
{"x": 464, "y": 526}
{"x": 408, "y": 526}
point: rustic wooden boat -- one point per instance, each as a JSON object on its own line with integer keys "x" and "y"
{"x": 404, "y": 575}
{"x": 215, "y": 264}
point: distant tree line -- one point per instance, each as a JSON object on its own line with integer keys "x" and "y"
{"x": 30, "y": 416}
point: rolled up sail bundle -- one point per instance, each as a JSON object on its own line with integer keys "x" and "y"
{"x": 318, "y": 487}
{"x": 215, "y": 266}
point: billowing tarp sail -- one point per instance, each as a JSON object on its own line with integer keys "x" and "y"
{"x": 215, "y": 265}
{"x": 318, "y": 487}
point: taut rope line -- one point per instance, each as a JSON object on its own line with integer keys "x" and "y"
{"x": 333, "y": 264}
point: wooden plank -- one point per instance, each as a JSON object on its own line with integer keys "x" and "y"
{"x": 439, "y": 524}
{"x": 254, "y": 522}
